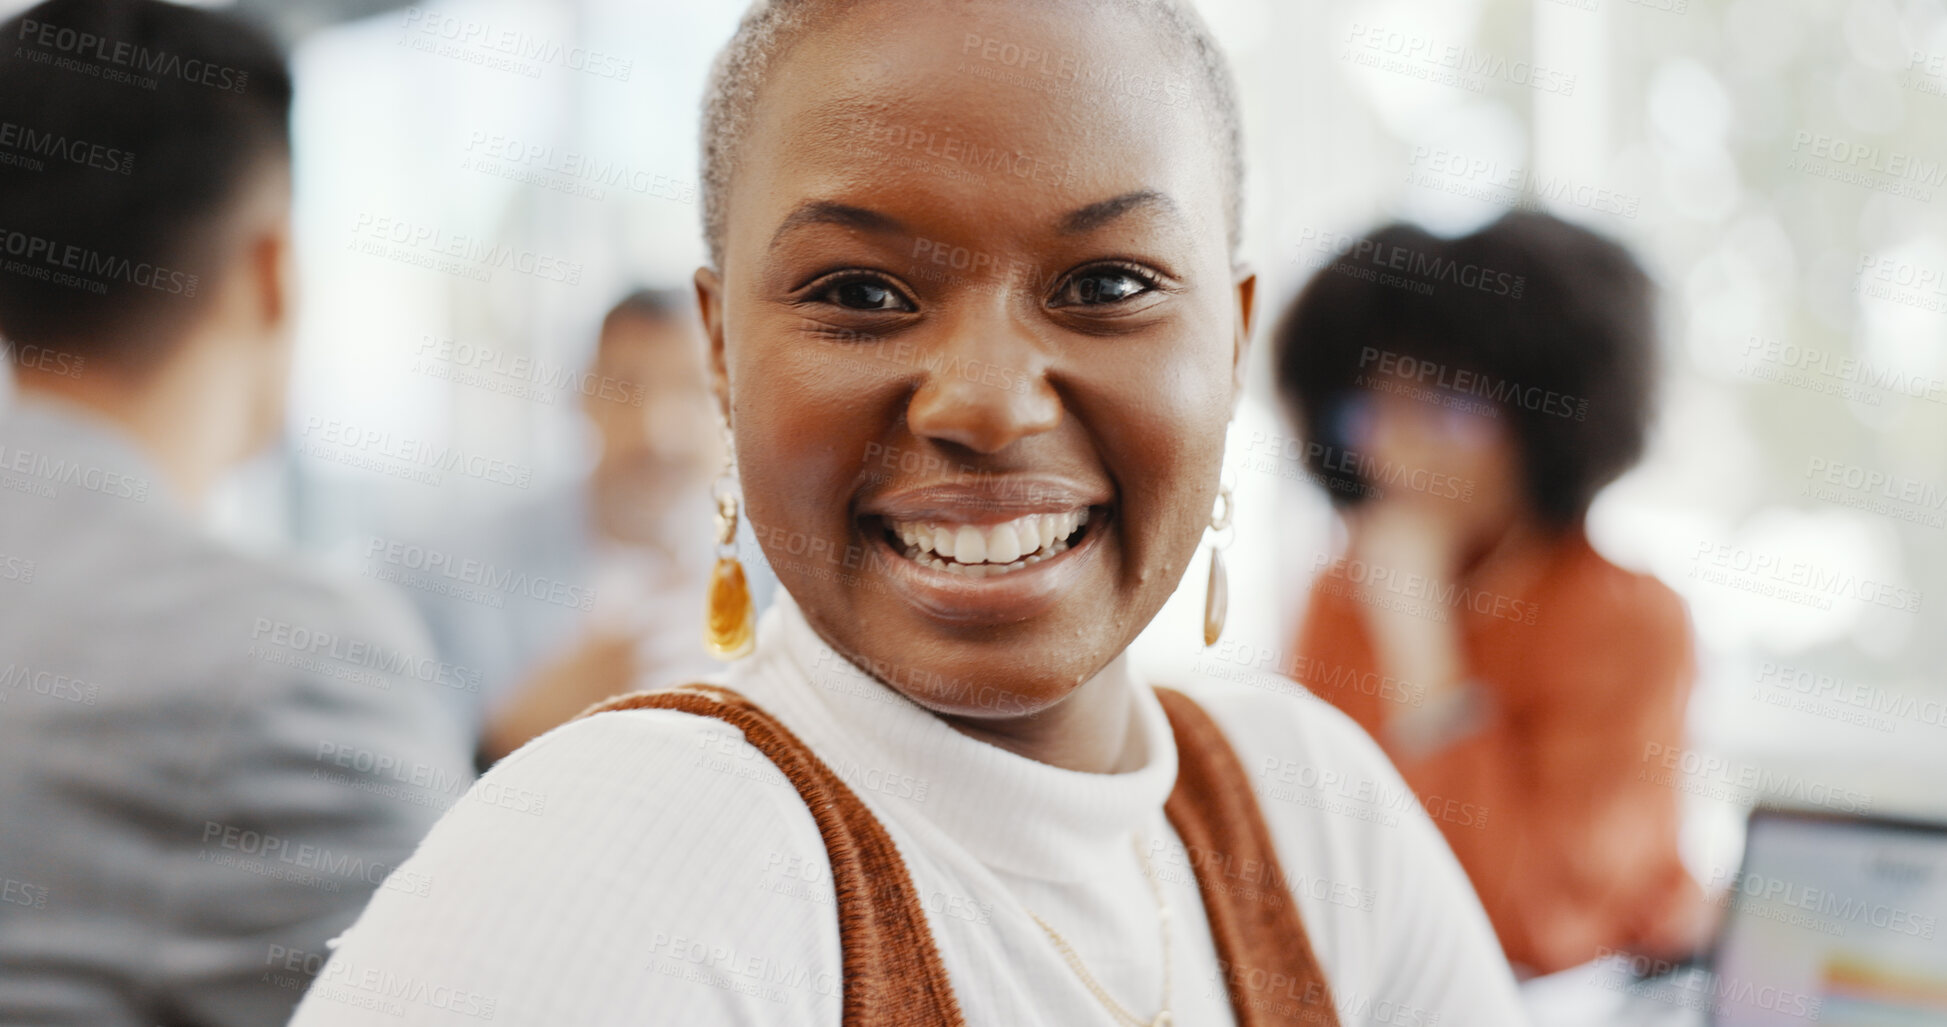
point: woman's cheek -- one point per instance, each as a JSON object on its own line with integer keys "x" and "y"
{"x": 792, "y": 444}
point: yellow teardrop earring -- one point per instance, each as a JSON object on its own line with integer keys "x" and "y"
{"x": 1216, "y": 598}
{"x": 730, "y": 623}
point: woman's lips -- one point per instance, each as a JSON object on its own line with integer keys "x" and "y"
{"x": 930, "y": 562}
{"x": 977, "y": 550}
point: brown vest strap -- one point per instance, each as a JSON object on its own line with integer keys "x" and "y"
{"x": 1266, "y": 958}
{"x": 893, "y": 973}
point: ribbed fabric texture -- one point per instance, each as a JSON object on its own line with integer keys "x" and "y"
{"x": 1257, "y": 932}
{"x": 893, "y": 974}
{"x": 651, "y": 866}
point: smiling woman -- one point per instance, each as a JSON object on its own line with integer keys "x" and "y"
{"x": 937, "y": 792}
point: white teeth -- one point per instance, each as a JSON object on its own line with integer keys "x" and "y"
{"x": 970, "y": 546}
{"x": 1003, "y": 545}
{"x": 981, "y": 550}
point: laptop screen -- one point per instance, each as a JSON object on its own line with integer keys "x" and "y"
{"x": 1835, "y": 920}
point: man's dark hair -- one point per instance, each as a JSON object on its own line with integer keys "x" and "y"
{"x": 660, "y": 304}
{"x": 128, "y": 129}
{"x": 1551, "y": 326}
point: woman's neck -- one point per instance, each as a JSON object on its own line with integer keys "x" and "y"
{"x": 1509, "y": 559}
{"x": 1093, "y": 731}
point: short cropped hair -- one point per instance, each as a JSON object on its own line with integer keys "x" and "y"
{"x": 128, "y": 129}
{"x": 770, "y": 28}
{"x": 1546, "y": 325}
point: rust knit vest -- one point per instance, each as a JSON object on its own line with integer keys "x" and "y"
{"x": 893, "y": 974}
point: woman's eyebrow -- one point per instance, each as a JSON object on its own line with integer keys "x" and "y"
{"x": 1101, "y": 212}
{"x": 827, "y": 212}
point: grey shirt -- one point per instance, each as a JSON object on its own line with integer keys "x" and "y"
{"x": 208, "y": 760}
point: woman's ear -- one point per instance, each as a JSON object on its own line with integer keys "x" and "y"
{"x": 1246, "y": 298}
{"x": 709, "y": 305}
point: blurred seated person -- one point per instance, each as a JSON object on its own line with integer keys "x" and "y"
{"x": 1462, "y": 413}
{"x": 209, "y": 760}
{"x": 631, "y": 542}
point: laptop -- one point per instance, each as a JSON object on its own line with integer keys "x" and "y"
{"x": 1833, "y": 919}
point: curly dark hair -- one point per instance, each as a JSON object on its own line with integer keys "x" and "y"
{"x": 1545, "y": 324}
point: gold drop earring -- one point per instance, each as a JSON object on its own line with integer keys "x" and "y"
{"x": 1216, "y": 599}
{"x": 730, "y": 623}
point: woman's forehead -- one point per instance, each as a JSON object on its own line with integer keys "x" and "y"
{"x": 953, "y": 114}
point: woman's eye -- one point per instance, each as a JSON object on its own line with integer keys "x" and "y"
{"x": 1108, "y": 285}
{"x": 864, "y": 294}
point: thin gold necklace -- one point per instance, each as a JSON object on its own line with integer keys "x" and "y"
{"x": 1122, "y": 1015}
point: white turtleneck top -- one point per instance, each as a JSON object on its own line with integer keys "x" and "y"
{"x": 651, "y": 867}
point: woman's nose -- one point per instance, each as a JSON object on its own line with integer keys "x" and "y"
{"x": 983, "y": 386}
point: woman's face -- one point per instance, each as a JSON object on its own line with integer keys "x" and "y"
{"x": 979, "y": 336}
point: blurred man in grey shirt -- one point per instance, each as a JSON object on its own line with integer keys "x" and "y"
{"x": 208, "y": 760}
